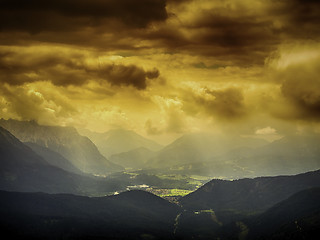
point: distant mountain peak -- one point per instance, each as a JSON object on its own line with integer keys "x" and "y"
{"x": 119, "y": 140}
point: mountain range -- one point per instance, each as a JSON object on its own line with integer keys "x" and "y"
{"x": 24, "y": 170}
{"x": 237, "y": 157}
{"x": 119, "y": 140}
{"x": 226, "y": 157}
{"x": 199, "y": 147}
{"x": 291, "y": 154}
{"x": 66, "y": 141}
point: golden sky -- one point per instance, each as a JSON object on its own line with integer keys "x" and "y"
{"x": 163, "y": 68}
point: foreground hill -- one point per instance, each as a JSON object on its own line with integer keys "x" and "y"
{"x": 297, "y": 217}
{"x": 119, "y": 140}
{"x": 129, "y": 215}
{"x": 79, "y": 150}
{"x": 255, "y": 194}
{"x": 24, "y": 170}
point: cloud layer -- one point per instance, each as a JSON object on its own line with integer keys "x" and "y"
{"x": 160, "y": 67}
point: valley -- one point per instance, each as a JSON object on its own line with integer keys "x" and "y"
{"x": 137, "y": 214}
{"x": 169, "y": 187}
{"x": 224, "y": 198}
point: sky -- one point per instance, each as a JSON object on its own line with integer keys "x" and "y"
{"x": 163, "y": 68}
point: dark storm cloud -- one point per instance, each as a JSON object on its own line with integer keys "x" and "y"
{"x": 239, "y": 34}
{"x": 301, "y": 86}
{"x": 68, "y": 69}
{"x": 35, "y": 16}
{"x": 246, "y": 38}
{"x": 18, "y": 67}
{"x": 301, "y": 18}
{"x": 178, "y": 1}
{"x": 227, "y": 35}
{"x": 130, "y": 75}
{"x": 226, "y": 104}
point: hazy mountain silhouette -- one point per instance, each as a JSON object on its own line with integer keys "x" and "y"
{"x": 134, "y": 159}
{"x": 217, "y": 169}
{"x": 119, "y": 140}
{"x": 255, "y": 194}
{"x": 53, "y": 158}
{"x": 24, "y": 170}
{"x": 129, "y": 215}
{"x": 238, "y": 157}
{"x": 289, "y": 155}
{"x": 66, "y": 141}
{"x": 200, "y": 147}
